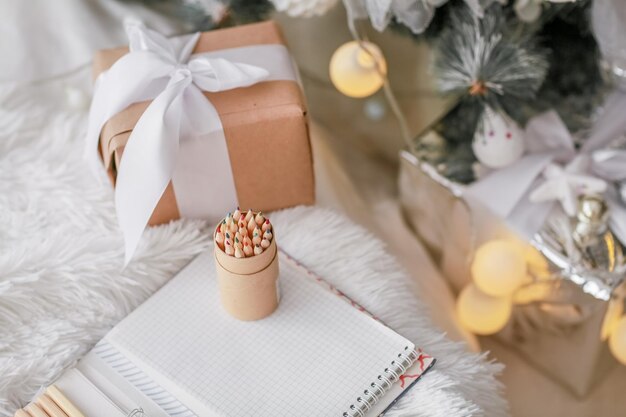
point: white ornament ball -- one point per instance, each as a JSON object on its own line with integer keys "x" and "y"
{"x": 499, "y": 267}
{"x": 355, "y": 71}
{"x": 617, "y": 341}
{"x": 498, "y": 140}
{"x": 480, "y": 313}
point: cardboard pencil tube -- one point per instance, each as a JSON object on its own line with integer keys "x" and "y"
{"x": 248, "y": 286}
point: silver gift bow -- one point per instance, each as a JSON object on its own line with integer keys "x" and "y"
{"x": 507, "y": 192}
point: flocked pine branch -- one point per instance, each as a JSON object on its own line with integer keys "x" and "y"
{"x": 482, "y": 60}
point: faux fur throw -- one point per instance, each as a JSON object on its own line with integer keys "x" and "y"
{"x": 62, "y": 286}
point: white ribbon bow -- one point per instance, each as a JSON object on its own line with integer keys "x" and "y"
{"x": 164, "y": 71}
{"x": 520, "y": 195}
{"x": 566, "y": 182}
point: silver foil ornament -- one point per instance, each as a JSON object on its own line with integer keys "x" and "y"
{"x": 583, "y": 248}
{"x": 599, "y": 248}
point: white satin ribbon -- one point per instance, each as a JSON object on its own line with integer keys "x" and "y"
{"x": 516, "y": 193}
{"x": 179, "y": 137}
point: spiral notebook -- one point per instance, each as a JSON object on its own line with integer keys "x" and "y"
{"x": 317, "y": 355}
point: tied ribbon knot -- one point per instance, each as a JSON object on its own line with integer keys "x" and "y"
{"x": 554, "y": 170}
{"x": 165, "y": 71}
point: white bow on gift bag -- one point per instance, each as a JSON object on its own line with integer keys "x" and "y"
{"x": 524, "y": 193}
{"x": 165, "y": 71}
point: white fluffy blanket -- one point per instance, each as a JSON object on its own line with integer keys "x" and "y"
{"x": 62, "y": 286}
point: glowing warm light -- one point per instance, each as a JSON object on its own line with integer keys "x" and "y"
{"x": 532, "y": 291}
{"x": 481, "y": 313}
{"x": 538, "y": 265}
{"x": 499, "y": 268}
{"x": 353, "y": 69}
{"x": 612, "y": 318}
{"x": 617, "y": 341}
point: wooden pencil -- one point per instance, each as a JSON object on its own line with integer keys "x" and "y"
{"x": 50, "y": 407}
{"x": 219, "y": 238}
{"x": 237, "y": 215}
{"x": 247, "y": 248}
{"x": 35, "y": 410}
{"x": 63, "y": 402}
{"x": 256, "y": 236}
{"x": 251, "y": 225}
{"x": 244, "y": 234}
{"x": 249, "y": 215}
{"x": 266, "y": 226}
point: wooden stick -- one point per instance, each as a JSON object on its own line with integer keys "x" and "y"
{"x": 50, "y": 406}
{"x": 63, "y": 402}
{"x": 22, "y": 413}
{"x": 35, "y": 411}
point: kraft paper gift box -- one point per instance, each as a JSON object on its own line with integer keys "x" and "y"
{"x": 559, "y": 334}
{"x": 265, "y": 126}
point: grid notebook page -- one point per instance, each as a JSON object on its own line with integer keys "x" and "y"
{"x": 314, "y": 356}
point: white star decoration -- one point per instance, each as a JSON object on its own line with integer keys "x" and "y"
{"x": 567, "y": 183}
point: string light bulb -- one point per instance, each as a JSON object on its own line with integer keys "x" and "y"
{"x": 617, "y": 341}
{"x": 499, "y": 267}
{"x": 538, "y": 265}
{"x": 480, "y": 313}
{"x": 612, "y": 318}
{"x": 357, "y": 69}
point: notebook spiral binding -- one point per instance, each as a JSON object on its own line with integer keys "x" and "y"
{"x": 382, "y": 384}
